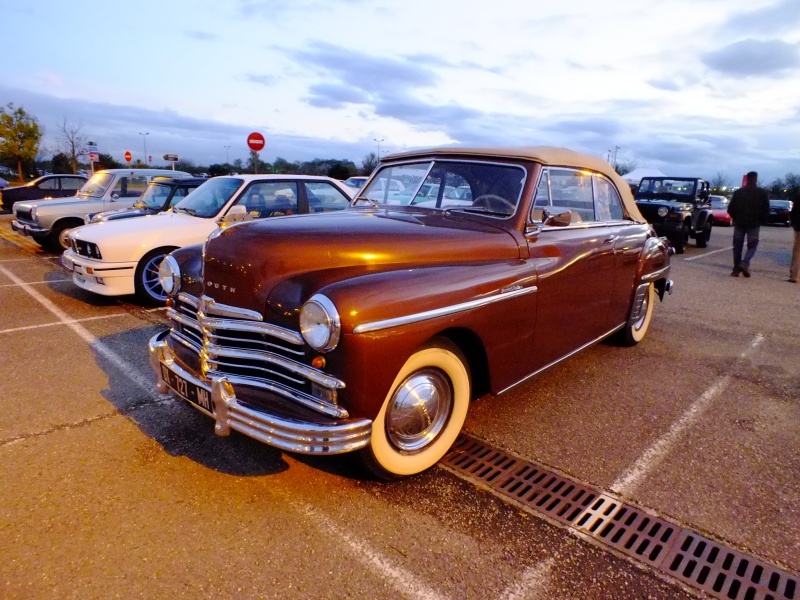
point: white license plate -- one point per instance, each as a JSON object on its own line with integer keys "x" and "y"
{"x": 187, "y": 390}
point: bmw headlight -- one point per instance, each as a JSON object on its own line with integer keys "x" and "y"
{"x": 169, "y": 276}
{"x": 663, "y": 211}
{"x": 320, "y": 324}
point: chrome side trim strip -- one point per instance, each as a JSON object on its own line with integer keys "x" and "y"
{"x": 563, "y": 358}
{"x": 441, "y": 312}
{"x": 656, "y": 274}
{"x": 262, "y": 328}
{"x": 213, "y": 351}
{"x": 210, "y": 306}
{"x": 306, "y": 400}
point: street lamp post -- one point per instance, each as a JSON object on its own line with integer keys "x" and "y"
{"x": 144, "y": 141}
{"x": 379, "y": 146}
{"x": 227, "y": 161}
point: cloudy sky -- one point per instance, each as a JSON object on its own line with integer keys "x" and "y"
{"x": 691, "y": 87}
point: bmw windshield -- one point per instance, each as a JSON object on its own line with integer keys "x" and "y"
{"x": 467, "y": 186}
{"x": 208, "y": 199}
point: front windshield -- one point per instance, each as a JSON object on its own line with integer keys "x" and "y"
{"x": 97, "y": 185}
{"x": 781, "y": 204}
{"x": 676, "y": 187}
{"x": 208, "y": 199}
{"x": 153, "y": 197}
{"x": 469, "y": 186}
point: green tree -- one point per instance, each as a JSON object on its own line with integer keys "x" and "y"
{"x": 281, "y": 165}
{"x": 19, "y": 136}
{"x": 216, "y": 170}
{"x": 238, "y": 165}
{"x": 369, "y": 163}
{"x": 61, "y": 163}
{"x": 106, "y": 161}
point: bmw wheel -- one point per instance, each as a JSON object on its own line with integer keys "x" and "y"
{"x": 147, "y": 285}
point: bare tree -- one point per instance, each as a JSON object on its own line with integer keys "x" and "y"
{"x": 720, "y": 182}
{"x": 73, "y": 142}
{"x": 624, "y": 167}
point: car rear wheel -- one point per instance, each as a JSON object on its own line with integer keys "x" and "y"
{"x": 422, "y": 414}
{"x": 148, "y": 288}
{"x": 633, "y": 333}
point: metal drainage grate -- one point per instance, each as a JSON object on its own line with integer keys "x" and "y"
{"x": 705, "y": 564}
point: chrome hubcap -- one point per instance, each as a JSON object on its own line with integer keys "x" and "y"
{"x": 150, "y": 278}
{"x": 419, "y": 410}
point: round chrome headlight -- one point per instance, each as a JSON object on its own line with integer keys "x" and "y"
{"x": 169, "y": 276}
{"x": 320, "y": 324}
{"x": 663, "y": 211}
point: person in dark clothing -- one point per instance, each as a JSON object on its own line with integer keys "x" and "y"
{"x": 748, "y": 208}
{"x": 795, "y": 220}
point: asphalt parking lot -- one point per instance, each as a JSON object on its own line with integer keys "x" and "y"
{"x": 112, "y": 490}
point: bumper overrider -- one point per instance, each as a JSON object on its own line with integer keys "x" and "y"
{"x": 216, "y": 398}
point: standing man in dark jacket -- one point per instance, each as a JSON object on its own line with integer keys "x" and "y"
{"x": 748, "y": 208}
{"x": 795, "y": 217}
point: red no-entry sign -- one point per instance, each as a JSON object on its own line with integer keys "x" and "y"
{"x": 128, "y": 156}
{"x": 255, "y": 141}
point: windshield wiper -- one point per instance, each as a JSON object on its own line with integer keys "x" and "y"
{"x": 475, "y": 209}
{"x": 188, "y": 211}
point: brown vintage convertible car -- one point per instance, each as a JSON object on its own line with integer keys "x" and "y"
{"x": 372, "y": 328}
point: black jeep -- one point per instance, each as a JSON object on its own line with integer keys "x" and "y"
{"x": 678, "y": 208}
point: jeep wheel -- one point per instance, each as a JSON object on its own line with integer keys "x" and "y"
{"x": 680, "y": 239}
{"x": 703, "y": 237}
{"x": 422, "y": 414}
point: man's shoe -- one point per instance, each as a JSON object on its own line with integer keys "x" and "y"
{"x": 745, "y": 271}
{"x": 736, "y": 271}
{"x": 790, "y": 280}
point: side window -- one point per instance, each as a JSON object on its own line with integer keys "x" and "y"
{"x": 71, "y": 183}
{"x": 323, "y": 197}
{"x": 49, "y": 184}
{"x": 270, "y": 199}
{"x": 120, "y": 188}
{"x": 542, "y": 197}
{"x": 137, "y": 185}
{"x": 572, "y": 190}
{"x": 607, "y": 200}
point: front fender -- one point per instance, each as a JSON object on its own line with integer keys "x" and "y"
{"x": 388, "y": 316}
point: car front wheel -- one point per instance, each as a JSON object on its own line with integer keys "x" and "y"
{"x": 148, "y": 288}
{"x": 704, "y": 236}
{"x": 422, "y": 414}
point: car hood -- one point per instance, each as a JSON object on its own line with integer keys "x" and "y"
{"x": 124, "y": 213}
{"x": 125, "y": 240}
{"x": 244, "y": 263}
{"x": 53, "y": 202}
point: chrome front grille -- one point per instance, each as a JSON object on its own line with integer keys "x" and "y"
{"x": 236, "y": 344}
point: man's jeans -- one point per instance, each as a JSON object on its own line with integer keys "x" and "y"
{"x": 739, "y": 234}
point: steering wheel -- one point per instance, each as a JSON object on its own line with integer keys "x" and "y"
{"x": 494, "y": 203}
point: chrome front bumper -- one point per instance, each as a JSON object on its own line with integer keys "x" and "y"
{"x": 28, "y": 230}
{"x": 283, "y": 433}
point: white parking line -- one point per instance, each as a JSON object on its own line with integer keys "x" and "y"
{"x": 34, "y": 282}
{"x": 656, "y": 453}
{"x": 533, "y": 582}
{"x": 56, "y": 323}
{"x": 404, "y": 582}
{"x": 729, "y": 248}
{"x": 99, "y": 347}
